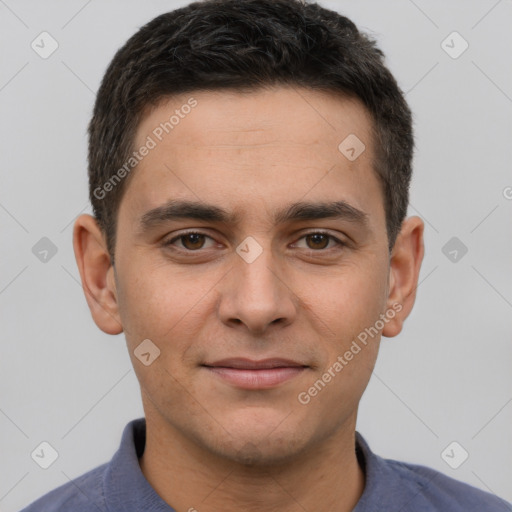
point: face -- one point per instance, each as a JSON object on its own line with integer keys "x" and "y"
{"x": 252, "y": 252}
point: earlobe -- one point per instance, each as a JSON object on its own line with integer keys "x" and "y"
{"x": 405, "y": 265}
{"x": 95, "y": 269}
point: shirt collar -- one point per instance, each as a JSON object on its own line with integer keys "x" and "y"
{"x": 384, "y": 488}
{"x": 126, "y": 488}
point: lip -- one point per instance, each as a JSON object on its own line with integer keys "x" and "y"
{"x": 251, "y": 374}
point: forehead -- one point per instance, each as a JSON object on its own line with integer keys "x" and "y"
{"x": 255, "y": 150}
{"x": 235, "y": 118}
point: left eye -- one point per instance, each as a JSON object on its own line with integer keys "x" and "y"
{"x": 194, "y": 241}
{"x": 320, "y": 240}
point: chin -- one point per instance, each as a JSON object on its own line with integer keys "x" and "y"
{"x": 260, "y": 444}
{"x": 262, "y": 456}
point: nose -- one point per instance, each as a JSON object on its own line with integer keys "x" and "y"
{"x": 257, "y": 295}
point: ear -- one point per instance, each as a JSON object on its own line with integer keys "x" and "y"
{"x": 97, "y": 274}
{"x": 405, "y": 264}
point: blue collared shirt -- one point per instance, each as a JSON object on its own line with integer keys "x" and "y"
{"x": 391, "y": 486}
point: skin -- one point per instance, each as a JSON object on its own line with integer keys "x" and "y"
{"x": 210, "y": 445}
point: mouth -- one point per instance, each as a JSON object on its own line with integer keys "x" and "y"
{"x": 251, "y": 374}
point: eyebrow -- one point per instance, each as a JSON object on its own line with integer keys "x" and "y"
{"x": 300, "y": 211}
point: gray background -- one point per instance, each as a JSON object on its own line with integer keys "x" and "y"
{"x": 445, "y": 378}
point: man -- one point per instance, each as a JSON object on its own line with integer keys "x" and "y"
{"x": 249, "y": 168}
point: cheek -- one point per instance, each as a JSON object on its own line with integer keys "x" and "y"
{"x": 346, "y": 309}
{"x": 164, "y": 303}
{"x": 349, "y": 306}
{"x": 346, "y": 302}
{"x": 154, "y": 306}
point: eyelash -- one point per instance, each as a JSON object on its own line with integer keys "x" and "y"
{"x": 170, "y": 242}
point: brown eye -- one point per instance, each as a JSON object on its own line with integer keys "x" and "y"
{"x": 192, "y": 241}
{"x": 317, "y": 240}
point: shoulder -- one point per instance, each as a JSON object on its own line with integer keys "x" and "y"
{"x": 81, "y": 494}
{"x": 396, "y": 485}
{"x": 437, "y": 491}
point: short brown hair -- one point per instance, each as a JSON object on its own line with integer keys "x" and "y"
{"x": 244, "y": 45}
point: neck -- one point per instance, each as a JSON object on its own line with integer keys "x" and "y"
{"x": 326, "y": 477}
